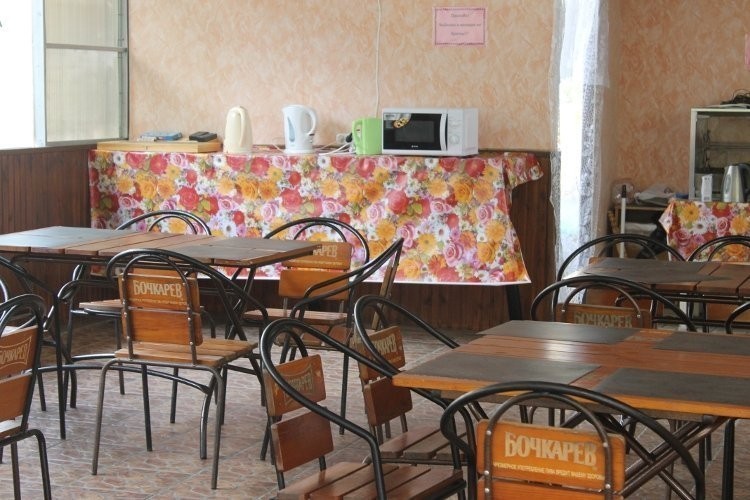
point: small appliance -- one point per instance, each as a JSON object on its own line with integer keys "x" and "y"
{"x": 431, "y": 131}
{"x": 736, "y": 184}
{"x": 299, "y": 128}
{"x": 238, "y": 134}
{"x": 367, "y": 136}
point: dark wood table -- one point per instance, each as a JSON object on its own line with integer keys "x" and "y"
{"x": 82, "y": 245}
{"x": 699, "y": 377}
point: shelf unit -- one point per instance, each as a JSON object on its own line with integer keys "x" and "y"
{"x": 718, "y": 137}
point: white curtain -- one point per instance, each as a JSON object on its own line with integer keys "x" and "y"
{"x": 579, "y": 76}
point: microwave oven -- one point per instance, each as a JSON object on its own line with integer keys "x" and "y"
{"x": 431, "y": 131}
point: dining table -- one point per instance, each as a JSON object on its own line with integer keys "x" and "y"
{"x": 699, "y": 378}
{"x": 95, "y": 246}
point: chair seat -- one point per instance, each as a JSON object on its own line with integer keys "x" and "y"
{"x": 356, "y": 480}
{"x": 418, "y": 444}
{"x": 111, "y": 307}
{"x": 320, "y": 318}
{"x": 212, "y": 352}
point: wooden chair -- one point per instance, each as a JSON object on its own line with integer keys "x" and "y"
{"x": 385, "y": 402}
{"x": 20, "y": 348}
{"x": 161, "y": 322}
{"x": 587, "y": 461}
{"x": 88, "y": 280}
{"x": 628, "y": 310}
{"x": 347, "y": 283}
{"x": 301, "y": 432}
{"x": 730, "y": 248}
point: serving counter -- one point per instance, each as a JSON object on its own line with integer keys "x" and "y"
{"x": 452, "y": 212}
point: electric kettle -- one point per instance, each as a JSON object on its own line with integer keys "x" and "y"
{"x": 299, "y": 128}
{"x": 736, "y": 184}
{"x": 238, "y": 134}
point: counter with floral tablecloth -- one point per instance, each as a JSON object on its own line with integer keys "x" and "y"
{"x": 691, "y": 223}
{"x": 452, "y": 212}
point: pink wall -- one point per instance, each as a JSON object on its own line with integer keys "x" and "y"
{"x": 675, "y": 55}
{"x": 190, "y": 61}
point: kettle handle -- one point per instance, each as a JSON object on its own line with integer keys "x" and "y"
{"x": 314, "y": 119}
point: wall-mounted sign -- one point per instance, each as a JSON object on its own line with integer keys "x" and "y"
{"x": 460, "y": 25}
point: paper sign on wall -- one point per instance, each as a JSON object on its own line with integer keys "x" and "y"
{"x": 460, "y": 25}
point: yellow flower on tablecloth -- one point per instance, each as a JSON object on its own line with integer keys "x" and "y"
{"x": 268, "y": 190}
{"x": 437, "y": 188}
{"x": 352, "y": 190}
{"x": 510, "y": 268}
{"x": 739, "y": 225}
{"x": 173, "y": 171}
{"x": 248, "y": 187}
{"x": 329, "y": 188}
{"x": 486, "y": 252}
{"x": 165, "y": 188}
{"x": 274, "y": 174}
{"x": 411, "y": 268}
{"x": 385, "y": 231}
{"x": 125, "y": 185}
{"x": 176, "y": 226}
{"x": 148, "y": 187}
{"x": 490, "y": 173}
{"x": 426, "y": 243}
{"x": 468, "y": 239}
{"x": 689, "y": 213}
{"x": 734, "y": 253}
{"x": 495, "y": 231}
{"x": 373, "y": 191}
{"x": 225, "y": 186}
{"x": 483, "y": 191}
{"x": 462, "y": 189}
{"x": 376, "y": 247}
{"x": 380, "y": 175}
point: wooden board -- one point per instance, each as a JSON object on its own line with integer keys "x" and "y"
{"x": 179, "y": 146}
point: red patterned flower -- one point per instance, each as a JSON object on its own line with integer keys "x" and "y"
{"x": 474, "y": 167}
{"x": 212, "y": 205}
{"x": 397, "y": 202}
{"x": 447, "y": 275}
{"x": 340, "y": 163}
{"x": 294, "y": 178}
{"x": 238, "y": 218}
{"x": 448, "y": 164}
{"x": 188, "y": 198}
{"x": 259, "y": 166}
{"x": 365, "y": 167}
{"x": 451, "y": 221}
{"x": 191, "y": 176}
{"x": 291, "y": 200}
{"x": 158, "y": 164}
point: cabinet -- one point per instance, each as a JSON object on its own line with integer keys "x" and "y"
{"x": 718, "y": 137}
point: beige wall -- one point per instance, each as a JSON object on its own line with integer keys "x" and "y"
{"x": 675, "y": 55}
{"x": 191, "y": 60}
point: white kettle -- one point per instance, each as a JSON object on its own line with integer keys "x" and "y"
{"x": 238, "y": 134}
{"x": 299, "y": 128}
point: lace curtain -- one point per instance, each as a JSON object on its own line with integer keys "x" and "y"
{"x": 578, "y": 77}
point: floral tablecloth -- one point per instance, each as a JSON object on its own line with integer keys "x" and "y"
{"x": 452, "y": 212}
{"x": 690, "y": 223}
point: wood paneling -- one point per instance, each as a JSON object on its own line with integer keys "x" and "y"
{"x": 47, "y": 187}
{"x": 44, "y": 187}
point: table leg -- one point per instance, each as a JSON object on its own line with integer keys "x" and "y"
{"x": 513, "y": 297}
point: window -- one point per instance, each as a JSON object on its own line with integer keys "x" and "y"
{"x": 70, "y": 63}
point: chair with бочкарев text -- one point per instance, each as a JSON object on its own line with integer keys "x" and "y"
{"x": 21, "y": 330}
{"x": 161, "y": 322}
{"x": 586, "y": 459}
{"x": 300, "y": 427}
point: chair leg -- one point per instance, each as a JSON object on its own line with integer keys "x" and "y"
{"x": 42, "y": 398}
{"x": 217, "y": 381}
{"x": 727, "y": 478}
{"x": 344, "y": 387}
{"x": 16, "y": 473}
{"x": 98, "y": 424}
{"x": 146, "y": 407}
{"x": 173, "y": 403}
{"x": 43, "y": 462}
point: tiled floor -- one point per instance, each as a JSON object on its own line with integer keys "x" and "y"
{"x": 173, "y": 469}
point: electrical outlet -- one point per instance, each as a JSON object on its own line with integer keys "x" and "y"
{"x": 341, "y": 138}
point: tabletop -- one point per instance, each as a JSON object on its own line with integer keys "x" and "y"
{"x": 719, "y": 279}
{"x": 665, "y": 372}
{"x": 91, "y": 245}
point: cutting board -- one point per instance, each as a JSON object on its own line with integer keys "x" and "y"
{"x": 179, "y": 146}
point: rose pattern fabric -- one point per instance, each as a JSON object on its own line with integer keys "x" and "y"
{"x": 690, "y": 224}
{"x": 453, "y": 213}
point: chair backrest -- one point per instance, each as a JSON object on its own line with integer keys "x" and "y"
{"x": 20, "y": 348}
{"x": 650, "y": 248}
{"x": 160, "y": 282}
{"x": 168, "y": 221}
{"x": 630, "y": 293}
{"x": 730, "y": 248}
{"x": 740, "y": 314}
{"x": 325, "y": 229}
{"x": 539, "y": 462}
